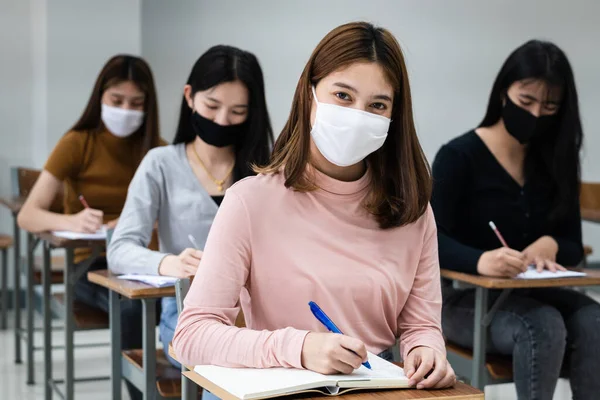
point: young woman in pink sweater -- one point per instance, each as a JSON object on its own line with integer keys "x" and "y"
{"x": 341, "y": 217}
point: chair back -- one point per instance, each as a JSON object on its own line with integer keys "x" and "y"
{"x": 23, "y": 180}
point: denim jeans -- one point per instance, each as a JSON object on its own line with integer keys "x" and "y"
{"x": 167, "y": 325}
{"x": 386, "y": 355}
{"x": 549, "y": 333}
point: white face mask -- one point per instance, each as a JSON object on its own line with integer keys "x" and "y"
{"x": 121, "y": 122}
{"x": 346, "y": 136}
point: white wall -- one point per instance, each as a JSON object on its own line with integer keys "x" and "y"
{"x": 81, "y": 37}
{"x": 51, "y": 52}
{"x": 453, "y": 49}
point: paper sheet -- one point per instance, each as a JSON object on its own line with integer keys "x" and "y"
{"x": 153, "y": 280}
{"x": 100, "y": 234}
{"x": 532, "y": 273}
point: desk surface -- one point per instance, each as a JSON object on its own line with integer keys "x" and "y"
{"x": 129, "y": 289}
{"x": 14, "y": 204}
{"x": 588, "y": 214}
{"x": 592, "y": 279}
{"x": 64, "y": 243}
{"x": 459, "y": 391}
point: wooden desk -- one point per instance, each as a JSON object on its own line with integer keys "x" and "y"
{"x": 14, "y": 204}
{"x": 484, "y": 315}
{"x": 71, "y": 275}
{"x": 130, "y": 289}
{"x": 592, "y": 279}
{"x": 144, "y": 379}
{"x": 459, "y": 391}
{"x": 590, "y": 215}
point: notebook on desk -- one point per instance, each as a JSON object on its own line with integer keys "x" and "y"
{"x": 152, "y": 280}
{"x": 532, "y": 273}
{"x": 254, "y": 384}
{"x": 100, "y": 234}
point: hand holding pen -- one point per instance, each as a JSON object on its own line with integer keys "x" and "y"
{"x": 183, "y": 265}
{"x": 332, "y": 353}
{"x": 503, "y": 262}
{"x": 86, "y": 221}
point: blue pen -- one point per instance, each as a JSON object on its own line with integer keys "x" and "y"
{"x": 325, "y": 320}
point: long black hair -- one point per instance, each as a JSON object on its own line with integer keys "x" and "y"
{"x": 226, "y": 64}
{"x": 553, "y": 157}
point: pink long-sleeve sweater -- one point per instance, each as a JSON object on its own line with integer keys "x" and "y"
{"x": 288, "y": 248}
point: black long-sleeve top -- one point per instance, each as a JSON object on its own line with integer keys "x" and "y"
{"x": 471, "y": 188}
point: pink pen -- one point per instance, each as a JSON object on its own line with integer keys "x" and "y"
{"x": 497, "y": 232}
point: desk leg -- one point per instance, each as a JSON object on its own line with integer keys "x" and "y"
{"x": 47, "y": 329}
{"x": 480, "y": 338}
{"x": 30, "y": 309}
{"x": 189, "y": 390}
{"x": 17, "y": 288}
{"x": 4, "y": 289}
{"x": 115, "y": 343}
{"x": 69, "y": 324}
{"x": 149, "y": 348}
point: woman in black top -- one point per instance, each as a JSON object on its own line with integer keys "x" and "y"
{"x": 520, "y": 169}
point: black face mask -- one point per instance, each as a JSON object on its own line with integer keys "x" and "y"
{"x": 217, "y": 135}
{"x": 523, "y": 125}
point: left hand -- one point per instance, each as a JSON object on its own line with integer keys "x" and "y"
{"x": 428, "y": 369}
{"x": 112, "y": 224}
{"x": 542, "y": 254}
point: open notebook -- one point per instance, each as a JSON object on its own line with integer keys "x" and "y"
{"x": 532, "y": 273}
{"x": 100, "y": 234}
{"x": 253, "y": 384}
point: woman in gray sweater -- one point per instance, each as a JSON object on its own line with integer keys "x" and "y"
{"x": 223, "y": 129}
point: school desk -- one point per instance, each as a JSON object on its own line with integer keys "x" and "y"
{"x": 83, "y": 318}
{"x": 127, "y": 364}
{"x": 483, "y": 316}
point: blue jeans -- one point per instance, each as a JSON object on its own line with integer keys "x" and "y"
{"x": 386, "y": 355}
{"x": 549, "y": 333}
{"x": 167, "y": 325}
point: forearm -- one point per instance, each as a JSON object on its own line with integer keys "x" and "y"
{"x": 205, "y": 338}
{"x": 35, "y": 220}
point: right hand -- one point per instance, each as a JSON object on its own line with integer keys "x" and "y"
{"x": 181, "y": 266}
{"x": 88, "y": 220}
{"x": 332, "y": 353}
{"x": 502, "y": 262}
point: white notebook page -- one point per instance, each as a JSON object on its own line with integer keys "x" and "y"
{"x": 532, "y": 273}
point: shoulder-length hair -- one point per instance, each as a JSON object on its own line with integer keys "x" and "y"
{"x": 122, "y": 68}
{"x": 400, "y": 175}
{"x": 554, "y": 156}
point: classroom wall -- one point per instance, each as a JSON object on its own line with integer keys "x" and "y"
{"x": 453, "y": 49}
{"x": 52, "y": 51}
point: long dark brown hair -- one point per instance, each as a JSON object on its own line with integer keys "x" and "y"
{"x": 400, "y": 175}
{"x": 119, "y": 69}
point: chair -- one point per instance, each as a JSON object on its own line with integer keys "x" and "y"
{"x": 85, "y": 317}
{"x": 498, "y": 368}
{"x": 6, "y": 243}
{"x": 589, "y": 200}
